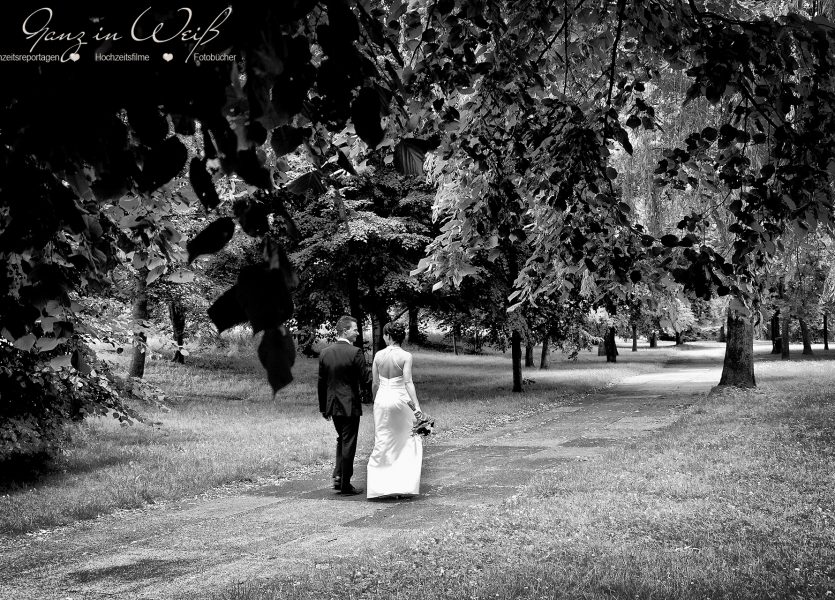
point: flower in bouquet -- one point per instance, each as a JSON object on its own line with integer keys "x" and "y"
{"x": 424, "y": 424}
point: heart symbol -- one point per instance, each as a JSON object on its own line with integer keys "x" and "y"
{"x": 75, "y": 56}
{"x": 168, "y": 57}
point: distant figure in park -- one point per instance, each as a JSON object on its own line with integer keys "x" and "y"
{"x": 395, "y": 463}
{"x": 343, "y": 376}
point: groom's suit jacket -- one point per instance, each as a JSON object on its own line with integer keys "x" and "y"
{"x": 343, "y": 374}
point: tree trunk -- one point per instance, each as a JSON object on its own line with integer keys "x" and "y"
{"x": 177, "y": 314}
{"x": 360, "y": 341}
{"x": 653, "y": 340}
{"x": 356, "y": 312}
{"x": 611, "y": 346}
{"x": 414, "y": 331}
{"x": 601, "y": 347}
{"x": 634, "y": 337}
{"x": 804, "y": 333}
{"x": 784, "y": 350}
{"x": 544, "y": 359}
{"x": 139, "y": 313}
{"x": 516, "y": 354}
{"x": 738, "y": 370}
{"x": 529, "y": 355}
{"x": 825, "y": 332}
{"x": 776, "y": 338}
{"x": 678, "y": 338}
{"x": 722, "y": 337}
{"x": 379, "y": 318}
{"x": 455, "y": 331}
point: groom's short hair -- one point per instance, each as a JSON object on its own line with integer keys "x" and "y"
{"x": 344, "y": 323}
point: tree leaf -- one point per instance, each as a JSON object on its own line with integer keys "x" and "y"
{"x": 62, "y": 329}
{"x": 365, "y": 114}
{"x": 252, "y": 170}
{"x": 61, "y": 361}
{"x": 202, "y": 184}
{"x": 252, "y": 215}
{"x": 287, "y": 138}
{"x": 264, "y": 296}
{"x": 344, "y": 162}
{"x": 226, "y": 311}
{"x": 45, "y": 344}
{"x": 181, "y": 276}
{"x": 147, "y": 122}
{"x": 154, "y": 274}
{"x": 409, "y": 155}
{"x": 163, "y": 163}
{"x": 26, "y": 342}
{"x": 277, "y": 354}
{"x": 212, "y": 239}
{"x": 78, "y": 362}
{"x": 130, "y": 203}
{"x": 309, "y": 182}
{"x": 444, "y": 6}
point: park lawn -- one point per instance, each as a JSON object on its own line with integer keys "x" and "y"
{"x": 225, "y": 429}
{"x": 735, "y": 501}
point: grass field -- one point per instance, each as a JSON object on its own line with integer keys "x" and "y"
{"x": 735, "y": 501}
{"x": 223, "y": 428}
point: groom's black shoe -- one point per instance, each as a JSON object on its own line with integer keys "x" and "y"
{"x": 337, "y": 483}
{"x": 350, "y": 490}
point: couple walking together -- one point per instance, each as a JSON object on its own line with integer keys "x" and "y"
{"x": 395, "y": 462}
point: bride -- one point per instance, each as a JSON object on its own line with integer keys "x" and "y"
{"x": 395, "y": 463}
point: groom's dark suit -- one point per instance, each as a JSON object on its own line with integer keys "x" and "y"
{"x": 343, "y": 375}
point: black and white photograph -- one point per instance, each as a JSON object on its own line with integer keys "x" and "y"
{"x": 417, "y": 300}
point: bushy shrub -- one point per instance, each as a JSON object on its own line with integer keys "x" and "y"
{"x": 36, "y": 400}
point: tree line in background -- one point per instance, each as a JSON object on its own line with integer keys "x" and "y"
{"x": 524, "y": 172}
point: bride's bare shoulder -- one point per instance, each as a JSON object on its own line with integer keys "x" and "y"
{"x": 406, "y": 354}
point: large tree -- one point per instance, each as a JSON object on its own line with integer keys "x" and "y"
{"x": 359, "y": 263}
{"x": 536, "y": 149}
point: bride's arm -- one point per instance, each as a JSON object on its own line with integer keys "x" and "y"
{"x": 375, "y": 378}
{"x": 410, "y": 386}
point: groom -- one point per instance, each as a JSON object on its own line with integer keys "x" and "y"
{"x": 343, "y": 375}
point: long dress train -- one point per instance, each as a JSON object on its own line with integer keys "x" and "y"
{"x": 395, "y": 463}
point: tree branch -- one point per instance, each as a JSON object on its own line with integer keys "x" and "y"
{"x": 560, "y": 30}
{"x": 621, "y": 8}
{"x": 565, "y": 50}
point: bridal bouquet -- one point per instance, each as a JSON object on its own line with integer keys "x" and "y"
{"x": 424, "y": 424}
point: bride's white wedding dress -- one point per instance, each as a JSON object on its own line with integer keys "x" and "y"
{"x": 395, "y": 463}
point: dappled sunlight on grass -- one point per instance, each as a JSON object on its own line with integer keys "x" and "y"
{"x": 220, "y": 425}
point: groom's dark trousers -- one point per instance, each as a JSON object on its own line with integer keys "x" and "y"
{"x": 347, "y": 429}
{"x": 343, "y": 374}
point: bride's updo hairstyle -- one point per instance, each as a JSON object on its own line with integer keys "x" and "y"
{"x": 396, "y": 331}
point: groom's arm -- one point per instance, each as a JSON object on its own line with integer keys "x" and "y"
{"x": 363, "y": 370}
{"x": 322, "y": 386}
